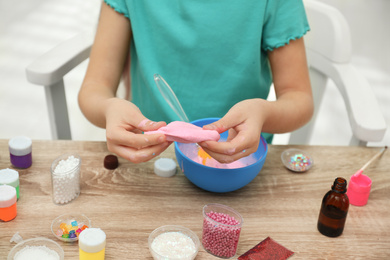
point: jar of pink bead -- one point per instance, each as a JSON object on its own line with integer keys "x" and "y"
{"x": 221, "y": 230}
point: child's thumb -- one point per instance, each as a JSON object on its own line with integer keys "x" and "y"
{"x": 221, "y": 125}
{"x": 149, "y": 125}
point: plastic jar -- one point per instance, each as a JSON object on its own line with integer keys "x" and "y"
{"x": 11, "y": 178}
{"x": 20, "y": 149}
{"x": 8, "y": 200}
{"x": 221, "y": 230}
{"x": 92, "y": 244}
{"x": 65, "y": 176}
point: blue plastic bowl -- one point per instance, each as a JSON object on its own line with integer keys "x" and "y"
{"x": 218, "y": 179}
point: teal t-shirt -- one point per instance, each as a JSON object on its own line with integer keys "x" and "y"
{"x": 213, "y": 53}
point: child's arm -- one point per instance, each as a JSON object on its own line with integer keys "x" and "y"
{"x": 247, "y": 119}
{"x": 97, "y": 98}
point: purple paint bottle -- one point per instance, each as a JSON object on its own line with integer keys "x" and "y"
{"x": 20, "y": 149}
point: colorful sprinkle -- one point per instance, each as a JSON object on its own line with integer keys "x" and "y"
{"x": 71, "y": 229}
{"x": 299, "y": 163}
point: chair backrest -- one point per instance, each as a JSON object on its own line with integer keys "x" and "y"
{"x": 329, "y": 51}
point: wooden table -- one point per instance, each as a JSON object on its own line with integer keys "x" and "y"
{"x": 130, "y": 202}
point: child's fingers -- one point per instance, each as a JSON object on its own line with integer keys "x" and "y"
{"x": 225, "y": 152}
{"x": 148, "y": 125}
{"x": 230, "y": 120}
{"x": 140, "y": 155}
{"x": 121, "y": 137}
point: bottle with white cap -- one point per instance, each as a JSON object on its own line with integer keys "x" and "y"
{"x": 11, "y": 178}
{"x": 20, "y": 149}
{"x": 8, "y": 200}
{"x": 92, "y": 244}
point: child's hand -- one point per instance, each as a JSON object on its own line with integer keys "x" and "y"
{"x": 124, "y": 126}
{"x": 244, "y": 122}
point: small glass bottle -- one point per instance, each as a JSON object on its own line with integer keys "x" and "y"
{"x": 334, "y": 209}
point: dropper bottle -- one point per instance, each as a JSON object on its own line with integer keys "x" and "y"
{"x": 334, "y": 209}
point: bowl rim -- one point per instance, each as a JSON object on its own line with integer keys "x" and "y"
{"x": 68, "y": 214}
{"x": 175, "y": 228}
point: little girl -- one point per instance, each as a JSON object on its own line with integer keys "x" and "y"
{"x": 220, "y": 58}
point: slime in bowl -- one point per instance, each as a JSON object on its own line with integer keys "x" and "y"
{"x": 216, "y": 177}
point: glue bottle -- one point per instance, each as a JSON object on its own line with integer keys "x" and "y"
{"x": 334, "y": 209}
{"x": 92, "y": 244}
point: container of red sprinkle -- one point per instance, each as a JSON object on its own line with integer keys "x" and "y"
{"x": 221, "y": 230}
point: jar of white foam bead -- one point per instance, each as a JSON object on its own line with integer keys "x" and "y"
{"x": 65, "y": 176}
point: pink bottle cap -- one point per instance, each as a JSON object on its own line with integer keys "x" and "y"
{"x": 359, "y": 189}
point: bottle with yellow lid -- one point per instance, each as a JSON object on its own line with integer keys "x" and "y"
{"x": 92, "y": 244}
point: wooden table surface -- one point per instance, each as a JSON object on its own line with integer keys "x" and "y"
{"x": 130, "y": 202}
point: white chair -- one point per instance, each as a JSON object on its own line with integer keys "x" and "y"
{"x": 328, "y": 46}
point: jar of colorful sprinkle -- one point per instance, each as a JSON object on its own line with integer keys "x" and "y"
{"x": 221, "y": 230}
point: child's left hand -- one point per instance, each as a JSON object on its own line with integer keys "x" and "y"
{"x": 244, "y": 122}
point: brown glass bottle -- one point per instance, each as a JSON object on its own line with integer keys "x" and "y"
{"x": 334, "y": 209}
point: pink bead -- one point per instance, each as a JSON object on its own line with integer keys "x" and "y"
{"x": 220, "y": 239}
{"x": 59, "y": 232}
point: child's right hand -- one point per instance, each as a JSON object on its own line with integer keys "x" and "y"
{"x": 124, "y": 126}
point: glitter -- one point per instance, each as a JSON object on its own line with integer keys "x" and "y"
{"x": 297, "y": 160}
{"x": 174, "y": 244}
{"x": 267, "y": 249}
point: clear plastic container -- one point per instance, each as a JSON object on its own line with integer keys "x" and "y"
{"x": 221, "y": 230}
{"x": 76, "y": 222}
{"x": 65, "y": 176}
{"x": 164, "y": 249}
{"x": 45, "y": 248}
{"x": 297, "y": 160}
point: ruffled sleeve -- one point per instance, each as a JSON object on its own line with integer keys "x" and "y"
{"x": 119, "y": 6}
{"x": 284, "y": 20}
